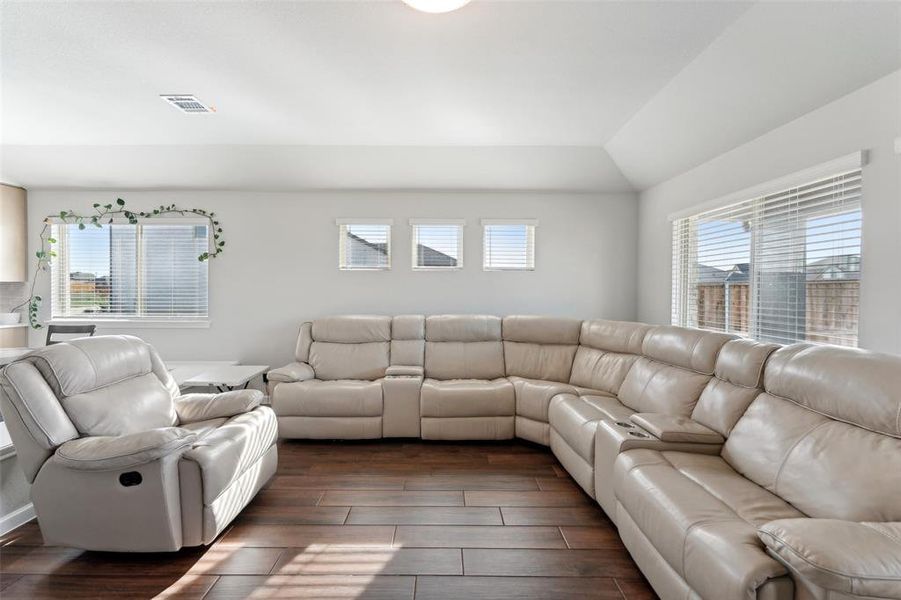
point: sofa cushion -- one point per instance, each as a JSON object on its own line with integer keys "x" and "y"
{"x": 600, "y": 370}
{"x": 541, "y": 330}
{"x": 467, "y": 398}
{"x": 653, "y": 386}
{"x": 826, "y": 468}
{"x": 534, "y": 395}
{"x": 692, "y": 349}
{"x": 464, "y": 360}
{"x": 352, "y": 329}
{"x": 463, "y": 328}
{"x": 622, "y": 337}
{"x": 332, "y": 360}
{"x": 317, "y": 398}
{"x": 701, "y": 517}
{"x": 408, "y": 340}
{"x": 549, "y": 362}
{"x": 575, "y": 419}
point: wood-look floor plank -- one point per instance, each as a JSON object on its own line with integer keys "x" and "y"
{"x": 382, "y": 498}
{"x": 287, "y": 497}
{"x": 28, "y": 534}
{"x": 8, "y": 580}
{"x": 424, "y": 515}
{"x": 382, "y": 587}
{"x": 369, "y": 561}
{"x": 296, "y": 536}
{"x": 636, "y": 589}
{"x": 548, "y": 563}
{"x": 472, "y": 481}
{"x": 572, "y": 515}
{"x": 557, "y": 484}
{"x": 516, "y": 588}
{"x": 559, "y": 499}
{"x": 474, "y": 536}
{"x": 294, "y": 515}
{"x": 586, "y": 538}
{"x": 338, "y": 482}
{"x": 85, "y": 586}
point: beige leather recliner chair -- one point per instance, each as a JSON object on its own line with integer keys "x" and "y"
{"x": 119, "y": 461}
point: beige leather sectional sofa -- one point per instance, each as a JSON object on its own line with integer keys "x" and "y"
{"x": 732, "y": 469}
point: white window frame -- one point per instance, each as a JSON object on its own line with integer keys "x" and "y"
{"x": 680, "y": 267}
{"x": 342, "y": 258}
{"x": 460, "y": 224}
{"x": 133, "y": 322}
{"x": 531, "y": 243}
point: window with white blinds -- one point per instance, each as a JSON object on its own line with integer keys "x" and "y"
{"x": 122, "y": 271}
{"x": 364, "y": 244}
{"x": 508, "y": 245}
{"x": 784, "y": 267}
{"x": 437, "y": 244}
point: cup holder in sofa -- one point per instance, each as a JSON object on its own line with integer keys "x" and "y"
{"x": 625, "y": 424}
{"x": 639, "y": 434}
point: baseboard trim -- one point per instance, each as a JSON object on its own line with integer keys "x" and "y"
{"x": 18, "y": 517}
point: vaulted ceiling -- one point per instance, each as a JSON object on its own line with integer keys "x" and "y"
{"x": 582, "y": 95}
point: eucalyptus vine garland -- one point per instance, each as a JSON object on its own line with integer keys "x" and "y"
{"x": 106, "y": 214}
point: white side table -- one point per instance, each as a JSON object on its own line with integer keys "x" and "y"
{"x": 226, "y": 377}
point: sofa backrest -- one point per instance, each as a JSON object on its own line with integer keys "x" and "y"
{"x": 350, "y": 346}
{"x": 408, "y": 340}
{"x": 105, "y": 385}
{"x": 540, "y": 347}
{"x": 737, "y": 380}
{"x": 463, "y": 347}
{"x": 826, "y": 434}
{"x": 607, "y": 350}
{"x": 675, "y": 367}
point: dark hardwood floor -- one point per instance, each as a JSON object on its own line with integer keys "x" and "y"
{"x": 403, "y": 519}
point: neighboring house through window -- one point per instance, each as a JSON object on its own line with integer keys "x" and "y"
{"x": 782, "y": 267}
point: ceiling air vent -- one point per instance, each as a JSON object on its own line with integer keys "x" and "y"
{"x": 187, "y": 103}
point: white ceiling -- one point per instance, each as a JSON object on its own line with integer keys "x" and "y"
{"x": 371, "y": 94}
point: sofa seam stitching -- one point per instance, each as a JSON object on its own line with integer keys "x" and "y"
{"x": 816, "y": 565}
{"x": 890, "y": 536}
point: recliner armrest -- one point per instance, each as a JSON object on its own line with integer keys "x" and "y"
{"x": 296, "y": 371}
{"x": 863, "y": 559}
{"x": 672, "y": 428}
{"x": 404, "y": 371}
{"x": 107, "y": 453}
{"x": 192, "y": 408}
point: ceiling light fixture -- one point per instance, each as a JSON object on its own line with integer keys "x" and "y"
{"x": 436, "y": 6}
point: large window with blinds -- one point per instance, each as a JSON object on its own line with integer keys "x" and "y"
{"x": 437, "y": 244}
{"x": 508, "y": 245}
{"x": 783, "y": 267}
{"x": 364, "y": 244}
{"x": 148, "y": 271}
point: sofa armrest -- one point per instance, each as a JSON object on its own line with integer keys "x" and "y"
{"x": 672, "y": 428}
{"x": 192, "y": 408}
{"x": 108, "y": 453}
{"x": 296, "y": 371}
{"x": 862, "y": 559}
{"x": 404, "y": 371}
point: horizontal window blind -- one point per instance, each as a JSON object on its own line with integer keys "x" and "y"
{"x": 437, "y": 246}
{"x": 364, "y": 246}
{"x": 145, "y": 271}
{"x": 784, "y": 267}
{"x": 508, "y": 246}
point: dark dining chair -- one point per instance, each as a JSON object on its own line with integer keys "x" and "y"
{"x": 81, "y": 330}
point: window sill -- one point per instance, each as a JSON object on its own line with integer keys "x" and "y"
{"x": 137, "y": 323}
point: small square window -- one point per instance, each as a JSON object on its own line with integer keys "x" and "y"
{"x": 364, "y": 244}
{"x": 508, "y": 245}
{"x": 437, "y": 245}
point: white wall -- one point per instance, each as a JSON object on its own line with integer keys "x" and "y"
{"x": 280, "y": 263}
{"x": 867, "y": 119}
